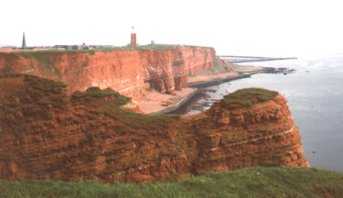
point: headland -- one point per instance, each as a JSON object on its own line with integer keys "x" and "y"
{"x": 48, "y": 134}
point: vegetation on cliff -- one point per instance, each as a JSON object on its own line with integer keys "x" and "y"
{"x": 47, "y": 134}
{"x": 248, "y": 97}
{"x": 257, "y": 182}
{"x": 113, "y": 108}
{"x": 97, "y": 93}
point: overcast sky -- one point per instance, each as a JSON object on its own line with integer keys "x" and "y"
{"x": 240, "y": 27}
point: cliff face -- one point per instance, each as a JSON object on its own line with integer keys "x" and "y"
{"x": 126, "y": 71}
{"x": 46, "y": 134}
{"x": 261, "y": 134}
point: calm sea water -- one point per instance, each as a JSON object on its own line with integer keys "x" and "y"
{"x": 315, "y": 97}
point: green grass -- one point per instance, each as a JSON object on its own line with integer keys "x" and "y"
{"x": 135, "y": 120}
{"x": 95, "y": 92}
{"x": 248, "y": 97}
{"x": 156, "y": 47}
{"x": 257, "y": 182}
{"x": 112, "y": 108}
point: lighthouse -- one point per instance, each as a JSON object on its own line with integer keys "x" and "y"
{"x": 133, "y": 42}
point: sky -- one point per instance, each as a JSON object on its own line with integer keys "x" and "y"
{"x": 233, "y": 27}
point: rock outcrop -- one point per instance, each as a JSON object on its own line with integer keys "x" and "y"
{"x": 46, "y": 134}
{"x": 127, "y": 71}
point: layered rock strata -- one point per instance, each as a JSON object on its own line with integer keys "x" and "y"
{"x": 46, "y": 134}
{"x": 127, "y": 71}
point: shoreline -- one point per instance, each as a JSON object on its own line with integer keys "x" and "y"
{"x": 180, "y": 104}
{"x": 158, "y": 104}
{"x": 201, "y": 82}
{"x": 199, "y": 86}
{"x": 204, "y": 84}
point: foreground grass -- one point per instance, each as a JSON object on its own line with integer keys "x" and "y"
{"x": 257, "y": 182}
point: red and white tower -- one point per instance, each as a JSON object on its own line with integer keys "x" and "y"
{"x": 133, "y": 43}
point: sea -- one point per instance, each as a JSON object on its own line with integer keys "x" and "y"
{"x": 315, "y": 97}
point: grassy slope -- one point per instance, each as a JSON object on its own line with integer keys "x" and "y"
{"x": 257, "y": 182}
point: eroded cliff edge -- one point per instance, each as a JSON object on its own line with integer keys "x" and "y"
{"x": 47, "y": 134}
{"x": 127, "y": 71}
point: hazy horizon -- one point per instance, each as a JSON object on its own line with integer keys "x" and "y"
{"x": 272, "y": 28}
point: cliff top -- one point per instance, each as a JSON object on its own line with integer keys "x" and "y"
{"x": 256, "y": 182}
{"x": 37, "y": 98}
{"x": 248, "y": 97}
{"x": 97, "y": 93}
{"x": 156, "y": 47}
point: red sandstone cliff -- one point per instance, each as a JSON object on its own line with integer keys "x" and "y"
{"x": 45, "y": 134}
{"x": 126, "y": 71}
